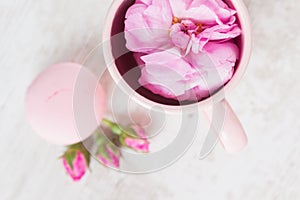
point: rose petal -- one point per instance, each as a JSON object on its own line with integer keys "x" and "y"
{"x": 135, "y": 9}
{"x": 164, "y": 73}
{"x": 79, "y": 166}
{"x": 222, "y": 12}
{"x": 103, "y": 160}
{"x": 146, "y": 26}
{"x": 201, "y": 13}
{"x": 179, "y": 38}
{"x": 205, "y": 11}
{"x": 179, "y": 7}
{"x": 139, "y": 131}
{"x": 216, "y": 64}
{"x": 137, "y": 144}
{"x": 219, "y": 32}
{"x": 147, "y": 2}
{"x": 114, "y": 157}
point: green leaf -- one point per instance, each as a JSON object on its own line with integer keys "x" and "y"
{"x": 87, "y": 156}
{"x": 75, "y": 146}
{"x": 70, "y": 155}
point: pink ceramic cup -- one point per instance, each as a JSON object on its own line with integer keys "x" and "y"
{"x": 231, "y": 132}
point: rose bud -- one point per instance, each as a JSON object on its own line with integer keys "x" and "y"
{"x": 133, "y": 136}
{"x": 137, "y": 144}
{"x": 107, "y": 153}
{"x": 76, "y": 161}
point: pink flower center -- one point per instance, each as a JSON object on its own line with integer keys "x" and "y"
{"x": 188, "y": 26}
{"x": 184, "y": 33}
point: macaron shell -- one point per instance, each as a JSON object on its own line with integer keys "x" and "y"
{"x": 65, "y": 104}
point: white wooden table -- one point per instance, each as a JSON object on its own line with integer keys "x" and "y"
{"x": 36, "y": 34}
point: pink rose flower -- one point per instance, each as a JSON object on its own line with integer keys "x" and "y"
{"x": 75, "y": 163}
{"x": 188, "y": 45}
{"x": 188, "y": 24}
{"x": 192, "y": 77}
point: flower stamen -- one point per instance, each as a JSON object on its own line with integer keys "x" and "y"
{"x": 199, "y": 28}
{"x": 176, "y": 20}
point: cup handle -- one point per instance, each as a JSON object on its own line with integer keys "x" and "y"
{"x": 227, "y": 126}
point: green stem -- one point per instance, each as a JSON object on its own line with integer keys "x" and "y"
{"x": 108, "y": 122}
{"x": 75, "y": 146}
{"x": 115, "y": 128}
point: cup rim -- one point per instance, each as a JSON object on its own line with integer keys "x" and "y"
{"x": 246, "y": 37}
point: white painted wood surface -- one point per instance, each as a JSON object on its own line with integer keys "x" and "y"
{"x": 36, "y": 34}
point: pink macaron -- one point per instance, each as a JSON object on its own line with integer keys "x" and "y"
{"x": 65, "y": 104}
